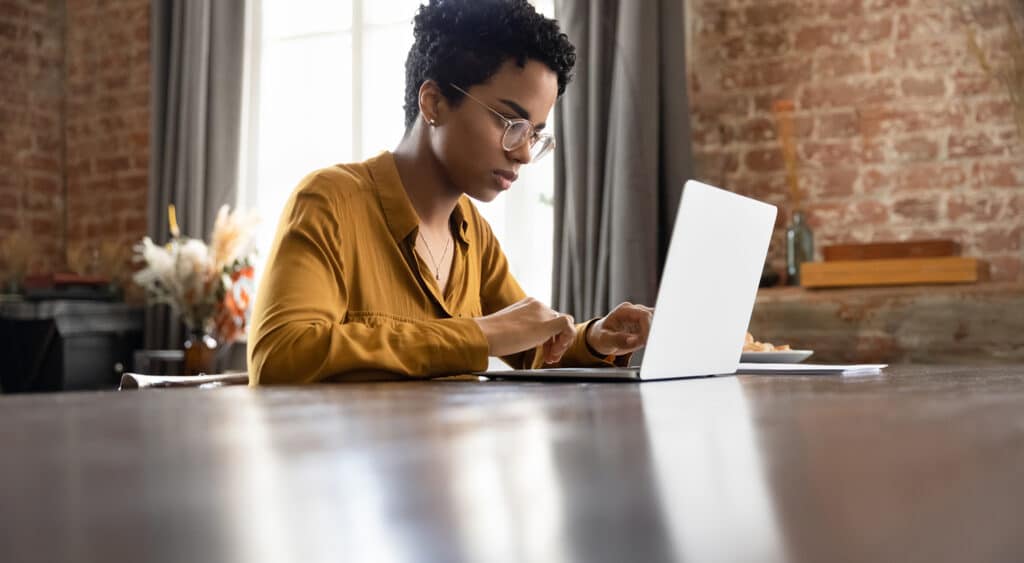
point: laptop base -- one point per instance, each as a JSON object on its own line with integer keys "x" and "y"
{"x": 566, "y": 374}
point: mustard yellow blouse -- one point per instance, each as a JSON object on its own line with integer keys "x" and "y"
{"x": 345, "y": 297}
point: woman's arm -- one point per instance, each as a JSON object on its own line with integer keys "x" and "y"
{"x": 499, "y": 289}
{"x": 299, "y": 335}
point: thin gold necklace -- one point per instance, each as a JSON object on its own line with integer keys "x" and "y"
{"x": 437, "y": 267}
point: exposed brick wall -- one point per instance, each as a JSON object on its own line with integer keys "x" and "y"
{"x": 107, "y": 131}
{"x": 31, "y": 130}
{"x": 901, "y": 134}
{"x": 74, "y": 130}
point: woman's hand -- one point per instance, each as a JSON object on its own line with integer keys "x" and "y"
{"x": 622, "y": 331}
{"x": 527, "y": 324}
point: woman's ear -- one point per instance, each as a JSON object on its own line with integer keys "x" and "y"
{"x": 431, "y": 102}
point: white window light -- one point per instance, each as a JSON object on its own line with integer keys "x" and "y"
{"x": 326, "y": 85}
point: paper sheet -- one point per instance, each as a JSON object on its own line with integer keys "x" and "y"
{"x": 810, "y": 369}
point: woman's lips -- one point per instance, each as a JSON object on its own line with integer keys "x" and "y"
{"x": 504, "y": 178}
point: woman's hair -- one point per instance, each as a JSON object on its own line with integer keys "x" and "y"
{"x": 464, "y": 42}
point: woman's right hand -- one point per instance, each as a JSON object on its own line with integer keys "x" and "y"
{"x": 527, "y": 324}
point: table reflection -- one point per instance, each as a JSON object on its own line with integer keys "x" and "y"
{"x": 868, "y": 469}
{"x": 710, "y": 472}
{"x": 548, "y": 473}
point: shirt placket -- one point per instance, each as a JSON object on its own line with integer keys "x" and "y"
{"x": 426, "y": 279}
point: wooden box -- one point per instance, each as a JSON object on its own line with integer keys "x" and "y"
{"x": 896, "y": 271}
{"x": 885, "y": 250}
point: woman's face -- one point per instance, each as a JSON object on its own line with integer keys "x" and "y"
{"x": 467, "y": 140}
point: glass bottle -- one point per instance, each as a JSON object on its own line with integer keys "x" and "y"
{"x": 799, "y": 247}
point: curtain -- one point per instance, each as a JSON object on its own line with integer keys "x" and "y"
{"x": 623, "y": 153}
{"x": 196, "y": 93}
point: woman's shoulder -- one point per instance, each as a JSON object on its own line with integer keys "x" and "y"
{"x": 337, "y": 181}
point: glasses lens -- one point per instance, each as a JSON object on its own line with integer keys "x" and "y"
{"x": 542, "y": 147}
{"x": 516, "y": 135}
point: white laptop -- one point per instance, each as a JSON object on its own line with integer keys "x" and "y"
{"x": 706, "y": 296}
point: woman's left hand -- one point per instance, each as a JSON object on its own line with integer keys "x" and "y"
{"x": 622, "y": 331}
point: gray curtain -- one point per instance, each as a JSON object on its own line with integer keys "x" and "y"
{"x": 623, "y": 152}
{"x": 196, "y": 93}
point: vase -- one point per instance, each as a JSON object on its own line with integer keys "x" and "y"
{"x": 200, "y": 353}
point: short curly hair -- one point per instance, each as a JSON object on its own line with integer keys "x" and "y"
{"x": 465, "y": 42}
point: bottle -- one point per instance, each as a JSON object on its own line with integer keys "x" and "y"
{"x": 799, "y": 247}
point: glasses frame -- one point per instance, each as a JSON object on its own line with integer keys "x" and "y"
{"x": 532, "y": 138}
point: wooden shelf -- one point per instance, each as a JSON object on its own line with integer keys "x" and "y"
{"x": 979, "y": 323}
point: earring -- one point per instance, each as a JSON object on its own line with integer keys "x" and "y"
{"x": 432, "y": 122}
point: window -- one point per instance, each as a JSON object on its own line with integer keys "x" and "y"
{"x": 326, "y": 86}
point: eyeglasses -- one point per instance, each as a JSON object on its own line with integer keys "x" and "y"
{"x": 519, "y": 132}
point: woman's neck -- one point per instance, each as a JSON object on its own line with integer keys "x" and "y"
{"x": 425, "y": 181}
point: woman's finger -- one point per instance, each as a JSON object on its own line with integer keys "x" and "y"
{"x": 640, "y": 321}
{"x": 558, "y": 325}
{"x": 624, "y": 341}
{"x": 546, "y": 350}
{"x": 645, "y": 325}
{"x": 562, "y": 343}
{"x": 556, "y": 346}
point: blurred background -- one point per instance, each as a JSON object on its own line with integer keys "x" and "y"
{"x": 879, "y": 121}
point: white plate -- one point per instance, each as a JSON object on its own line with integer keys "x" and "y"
{"x": 785, "y": 357}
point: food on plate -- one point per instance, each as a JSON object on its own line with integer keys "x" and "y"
{"x": 751, "y": 345}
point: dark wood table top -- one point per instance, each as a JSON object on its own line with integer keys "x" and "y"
{"x": 921, "y": 464}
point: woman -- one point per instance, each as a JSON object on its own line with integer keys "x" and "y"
{"x": 385, "y": 269}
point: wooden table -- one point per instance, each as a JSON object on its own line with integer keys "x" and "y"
{"x": 922, "y": 464}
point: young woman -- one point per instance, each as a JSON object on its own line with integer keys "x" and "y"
{"x": 384, "y": 269}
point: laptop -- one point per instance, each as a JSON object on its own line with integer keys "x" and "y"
{"x": 706, "y": 297}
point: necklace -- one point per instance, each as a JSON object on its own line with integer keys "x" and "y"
{"x": 437, "y": 266}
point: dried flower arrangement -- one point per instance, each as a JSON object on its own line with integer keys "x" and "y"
{"x": 209, "y": 285}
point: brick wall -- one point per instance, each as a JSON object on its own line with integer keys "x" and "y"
{"x": 31, "y": 132}
{"x": 74, "y": 123}
{"x": 901, "y": 133}
{"x": 107, "y": 134}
